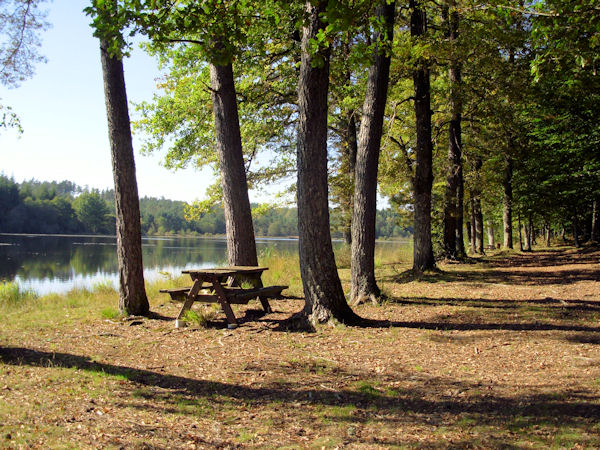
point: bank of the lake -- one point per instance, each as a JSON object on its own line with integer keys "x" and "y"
{"x": 59, "y": 263}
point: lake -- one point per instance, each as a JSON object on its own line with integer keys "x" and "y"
{"x": 49, "y": 264}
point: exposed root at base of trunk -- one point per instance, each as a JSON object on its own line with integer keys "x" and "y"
{"x": 303, "y": 322}
{"x": 367, "y": 298}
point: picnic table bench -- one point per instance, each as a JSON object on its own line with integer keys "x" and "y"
{"x": 226, "y": 286}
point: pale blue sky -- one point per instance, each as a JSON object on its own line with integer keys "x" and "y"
{"x": 64, "y": 118}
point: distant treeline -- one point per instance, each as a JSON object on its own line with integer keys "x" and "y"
{"x": 51, "y": 207}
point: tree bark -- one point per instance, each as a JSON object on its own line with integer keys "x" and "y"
{"x": 576, "y": 229}
{"x": 350, "y": 150}
{"x": 324, "y": 297}
{"x": 132, "y": 292}
{"x": 460, "y": 240}
{"x": 469, "y": 234}
{"x": 520, "y": 234}
{"x": 241, "y": 246}
{"x": 507, "y": 203}
{"x": 478, "y": 226}
{"x": 490, "y": 234}
{"x": 473, "y": 236}
{"x": 363, "y": 283}
{"x": 453, "y": 204}
{"x": 423, "y": 181}
{"x": 595, "y": 213}
{"x": 528, "y": 234}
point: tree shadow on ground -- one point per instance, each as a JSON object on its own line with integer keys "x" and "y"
{"x": 426, "y": 398}
{"x": 515, "y": 269}
{"x": 486, "y": 303}
{"x": 497, "y": 276}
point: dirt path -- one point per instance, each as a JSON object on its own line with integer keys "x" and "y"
{"x": 504, "y": 352}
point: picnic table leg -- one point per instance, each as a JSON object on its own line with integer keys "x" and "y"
{"x": 256, "y": 281}
{"x": 189, "y": 301}
{"x": 231, "y": 320}
{"x": 264, "y": 301}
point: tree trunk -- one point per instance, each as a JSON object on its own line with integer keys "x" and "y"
{"x": 528, "y": 231}
{"x": 507, "y": 203}
{"x": 423, "y": 247}
{"x": 350, "y": 150}
{"x": 595, "y": 213}
{"x": 241, "y": 246}
{"x": 520, "y": 234}
{"x": 576, "y": 230}
{"x": 460, "y": 239}
{"x": 469, "y": 234}
{"x": 324, "y": 297}
{"x": 363, "y": 284}
{"x": 473, "y": 226}
{"x": 548, "y": 235}
{"x": 132, "y": 293}
{"x": 478, "y": 226}
{"x": 490, "y": 234}
{"x": 453, "y": 201}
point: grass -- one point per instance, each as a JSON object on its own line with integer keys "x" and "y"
{"x": 470, "y": 359}
{"x": 12, "y": 296}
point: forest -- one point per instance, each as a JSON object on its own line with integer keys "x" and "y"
{"x": 52, "y": 207}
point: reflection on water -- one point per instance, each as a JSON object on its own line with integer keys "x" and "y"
{"x": 58, "y": 263}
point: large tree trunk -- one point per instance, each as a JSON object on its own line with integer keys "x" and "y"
{"x": 132, "y": 293}
{"x": 423, "y": 181}
{"x": 324, "y": 297}
{"x": 453, "y": 200}
{"x": 507, "y": 203}
{"x": 241, "y": 246}
{"x": 363, "y": 284}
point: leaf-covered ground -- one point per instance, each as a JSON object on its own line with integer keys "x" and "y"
{"x": 500, "y": 352}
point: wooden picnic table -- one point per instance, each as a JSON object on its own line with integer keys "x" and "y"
{"x": 226, "y": 286}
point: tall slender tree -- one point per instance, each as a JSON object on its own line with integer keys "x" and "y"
{"x": 453, "y": 205}
{"x": 364, "y": 285}
{"x": 423, "y": 249}
{"x": 324, "y": 297}
{"x": 241, "y": 246}
{"x": 132, "y": 293}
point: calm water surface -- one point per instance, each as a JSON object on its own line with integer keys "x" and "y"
{"x": 58, "y": 263}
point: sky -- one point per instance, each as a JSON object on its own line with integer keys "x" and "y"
{"x": 63, "y": 115}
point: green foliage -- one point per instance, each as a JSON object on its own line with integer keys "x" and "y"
{"x": 93, "y": 212}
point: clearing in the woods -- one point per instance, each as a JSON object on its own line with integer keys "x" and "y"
{"x": 501, "y": 351}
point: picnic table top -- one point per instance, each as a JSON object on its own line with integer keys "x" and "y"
{"x": 223, "y": 271}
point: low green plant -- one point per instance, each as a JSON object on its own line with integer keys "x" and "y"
{"x": 103, "y": 287}
{"x": 12, "y": 295}
{"x": 110, "y": 313}
{"x": 201, "y": 317}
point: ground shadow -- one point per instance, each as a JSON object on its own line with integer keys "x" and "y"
{"x": 427, "y": 399}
